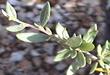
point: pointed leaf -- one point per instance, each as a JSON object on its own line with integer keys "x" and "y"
{"x": 11, "y": 11}
{"x": 81, "y": 60}
{"x": 65, "y": 34}
{"x": 48, "y": 30}
{"x": 74, "y": 41}
{"x": 102, "y": 64}
{"x": 63, "y": 54}
{"x": 107, "y": 60}
{"x": 106, "y": 49}
{"x": 101, "y": 73}
{"x": 99, "y": 51}
{"x": 88, "y": 60}
{"x": 45, "y": 14}
{"x": 74, "y": 35}
{"x": 87, "y": 46}
{"x": 4, "y": 13}
{"x": 91, "y": 34}
{"x": 73, "y": 54}
{"x": 73, "y": 68}
{"x": 94, "y": 66}
{"x": 32, "y": 37}
{"x": 69, "y": 71}
{"x": 61, "y": 31}
{"x": 16, "y": 28}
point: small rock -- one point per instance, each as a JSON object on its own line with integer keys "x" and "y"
{"x": 60, "y": 66}
{"x": 37, "y": 61}
{"x": 14, "y": 2}
{"x": 40, "y": 6}
{"x": 3, "y": 32}
{"x": 49, "y": 59}
{"x": 29, "y": 14}
{"x": 81, "y": 31}
{"x": 18, "y": 73}
{"x": 49, "y": 48}
{"x": 2, "y": 49}
{"x": 8, "y": 40}
{"x": 92, "y": 2}
{"x": 24, "y": 65}
{"x": 34, "y": 53}
{"x": 17, "y": 56}
{"x": 42, "y": 72}
{"x": 1, "y": 72}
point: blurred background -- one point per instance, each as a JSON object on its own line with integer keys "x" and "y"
{"x": 20, "y": 58}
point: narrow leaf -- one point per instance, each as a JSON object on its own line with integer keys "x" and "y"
{"x": 91, "y": 34}
{"x": 65, "y": 34}
{"x": 61, "y": 31}
{"x": 69, "y": 71}
{"x": 88, "y": 60}
{"x": 48, "y": 30}
{"x": 85, "y": 46}
{"x": 73, "y": 54}
{"x": 99, "y": 51}
{"x": 16, "y": 28}
{"x": 72, "y": 69}
{"x": 102, "y": 64}
{"x": 81, "y": 60}
{"x": 101, "y": 70}
{"x": 106, "y": 49}
{"x": 11, "y": 11}
{"x": 94, "y": 66}
{"x": 74, "y": 41}
{"x": 45, "y": 14}
{"x": 101, "y": 73}
{"x": 63, "y": 54}
{"x": 107, "y": 60}
{"x": 4, "y": 13}
{"x": 32, "y": 37}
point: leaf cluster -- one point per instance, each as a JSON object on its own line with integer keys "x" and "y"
{"x": 77, "y": 47}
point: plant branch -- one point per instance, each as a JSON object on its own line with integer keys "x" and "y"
{"x": 94, "y": 58}
{"x": 29, "y": 25}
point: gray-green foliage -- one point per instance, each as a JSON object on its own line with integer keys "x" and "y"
{"x": 45, "y": 14}
{"x": 76, "y": 47}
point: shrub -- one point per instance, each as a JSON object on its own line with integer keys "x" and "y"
{"x": 77, "y": 47}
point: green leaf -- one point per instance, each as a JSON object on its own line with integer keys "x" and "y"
{"x": 107, "y": 60}
{"x": 74, "y": 35}
{"x": 48, "y": 30}
{"x": 73, "y": 68}
{"x": 45, "y": 14}
{"x": 106, "y": 49}
{"x": 74, "y": 41}
{"x": 81, "y": 60}
{"x": 106, "y": 46}
{"x": 101, "y": 73}
{"x": 73, "y": 54}
{"x": 4, "y": 13}
{"x": 69, "y": 71}
{"x": 94, "y": 66}
{"x": 65, "y": 34}
{"x": 61, "y": 31}
{"x": 85, "y": 46}
{"x": 102, "y": 64}
{"x": 32, "y": 37}
{"x": 99, "y": 51}
{"x": 11, "y": 11}
{"x": 16, "y": 28}
{"x": 88, "y": 60}
{"x": 91, "y": 34}
{"x": 63, "y": 54}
